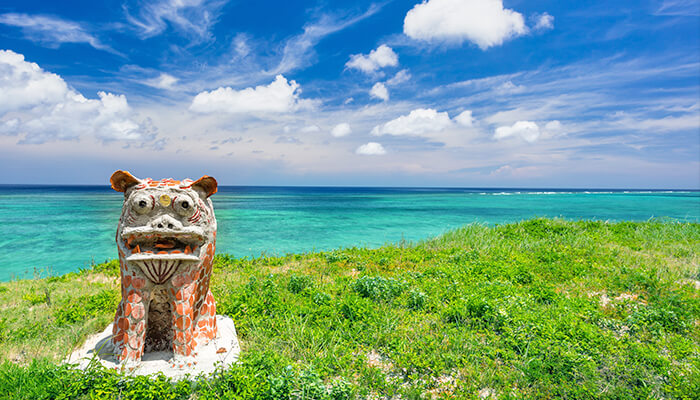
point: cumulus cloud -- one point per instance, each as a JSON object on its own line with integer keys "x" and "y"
{"x": 483, "y": 22}
{"x": 418, "y": 122}
{"x": 52, "y": 31}
{"x": 527, "y": 130}
{"x": 379, "y": 91}
{"x": 279, "y": 96}
{"x": 465, "y": 118}
{"x": 41, "y": 106}
{"x": 543, "y": 22}
{"x": 371, "y": 149}
{"x": 382, "y": 56}
{"x": 342, "y": 129}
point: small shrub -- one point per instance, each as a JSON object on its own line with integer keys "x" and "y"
{"x": 476, "y": 311}
{"x": 416, "y": 300}
{"x": 34, "y": 297}
{"x": 377, "y": 288}
{"x": 299, "y": 283}
{"x": 337, "y": 257}
{"x": 320, "y": 298}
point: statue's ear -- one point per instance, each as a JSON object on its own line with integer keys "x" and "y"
{"x": 122, "y": 180}
{"x": 207, "y": 184}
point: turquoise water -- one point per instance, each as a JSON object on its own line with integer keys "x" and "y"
{"x": 62, "y": 229}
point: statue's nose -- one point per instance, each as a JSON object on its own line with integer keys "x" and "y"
{"x": 166, "y": 221}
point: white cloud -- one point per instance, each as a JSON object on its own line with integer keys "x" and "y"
{"x": 379, "y": 91}
{"x": 465, "y": 118}
{"x": 40, "y": 105}
{"x": 678, "y": 8}
{"x": 310, "y": 129}
{"x": 193, "y": 17}
{"x": 543, "y": 22}
{"x": 483, "y": 22}
{"x": 418, "y": 122}
{"x": 52, "y": 31}
{"x": 342, "y": 129}
{"x": 400, "y": 77}
{"x": 25, "y": 85}
{"x": 298, "y": 50}
{"x": 509, "y": 87}
{"x": 279, "y": 96}
{"x": 240, "y": 45}
{"x": 527, "y": 130}
{"x": 382, "y": 56}
{"x": 371, "y": 149}
{"x": 667, "y": 123}
{"x": 163, "y": 81}
{"x": 553, "y": 126}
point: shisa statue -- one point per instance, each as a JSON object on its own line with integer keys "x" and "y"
{"x": 166, "y": 239}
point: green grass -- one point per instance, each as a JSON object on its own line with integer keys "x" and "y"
{"x": 539, "y": 309}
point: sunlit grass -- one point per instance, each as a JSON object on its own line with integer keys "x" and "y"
{"x": 537, "y": 309}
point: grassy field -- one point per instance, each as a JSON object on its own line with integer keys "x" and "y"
{"x": 538, "y": 309}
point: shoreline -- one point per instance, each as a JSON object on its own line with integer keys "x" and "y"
{"x": 47, "y": 271}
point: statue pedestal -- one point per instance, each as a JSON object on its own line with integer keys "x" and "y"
{"x": 221, "y": 351}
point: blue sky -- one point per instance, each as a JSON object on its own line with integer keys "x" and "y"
{"x": 468, "y": 93}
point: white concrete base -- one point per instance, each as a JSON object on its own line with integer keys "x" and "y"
{"x": 208, "y": 357}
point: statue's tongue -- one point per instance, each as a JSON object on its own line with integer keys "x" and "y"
{"x": 165, "y": 244}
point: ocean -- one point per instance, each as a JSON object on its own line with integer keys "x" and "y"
{"x": 57, "y": 229}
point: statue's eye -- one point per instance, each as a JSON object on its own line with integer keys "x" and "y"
{"x": 141, "y": 204}
{"x": 185, "y": 206}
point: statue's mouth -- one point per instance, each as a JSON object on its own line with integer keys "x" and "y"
{"x": 147, "y": 244}
{"x": 159, "y": 253}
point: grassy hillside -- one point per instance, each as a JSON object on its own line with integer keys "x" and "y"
{"x": 538, "y": 309}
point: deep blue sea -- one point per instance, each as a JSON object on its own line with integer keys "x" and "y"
{"x": 57, "y": 229}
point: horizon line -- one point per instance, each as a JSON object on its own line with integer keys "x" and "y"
{"x": 374, "y": 187}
